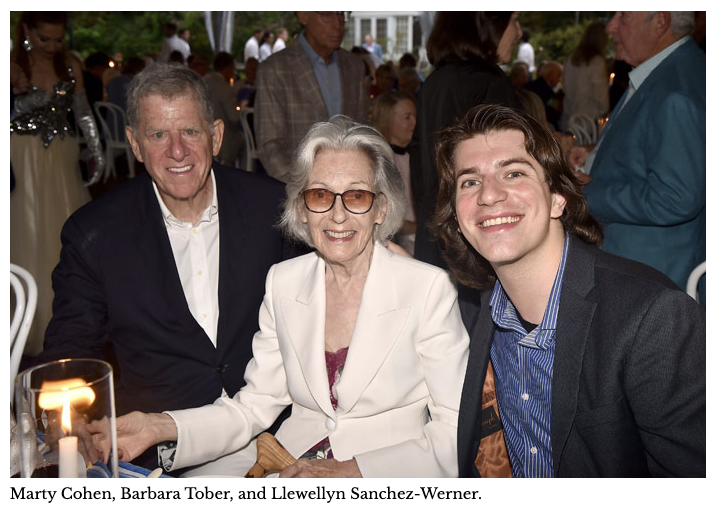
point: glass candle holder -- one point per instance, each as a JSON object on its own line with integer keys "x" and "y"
{"x": 66, "y": 417}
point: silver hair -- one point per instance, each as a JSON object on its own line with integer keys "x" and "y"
{"x": 168, "y": 80}
{"x": 683, "y": 22}
{"x": 338, "y": 134}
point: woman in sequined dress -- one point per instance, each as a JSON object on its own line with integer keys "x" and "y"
{"x": 44, "y": 152}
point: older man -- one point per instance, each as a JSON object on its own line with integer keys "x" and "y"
{"x": 648, "y": 171}
{"x": 308, "y": 82}
{"x": 170, "y": 269}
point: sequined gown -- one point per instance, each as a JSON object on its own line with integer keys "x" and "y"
{"x": 44, "y": 153}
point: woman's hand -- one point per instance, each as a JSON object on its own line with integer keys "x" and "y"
{"x": 325, "y": 468}
{"x": 136, "y": 432}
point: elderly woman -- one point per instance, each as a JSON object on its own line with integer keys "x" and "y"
{"x": 394, "y": 114}
{"x": 366, "y": 345}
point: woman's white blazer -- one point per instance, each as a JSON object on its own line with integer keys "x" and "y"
{"x": 399, "y": 392}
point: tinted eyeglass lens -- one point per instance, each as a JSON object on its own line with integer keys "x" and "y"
{"x": 358, "y": 201}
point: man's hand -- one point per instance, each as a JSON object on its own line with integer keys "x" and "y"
{"x": 328, "y": 468}
{"x": 578, "y": 155}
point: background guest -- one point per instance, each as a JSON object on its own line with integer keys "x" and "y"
{"x": 545, "y": 86}
{"x": 281, "y": 43}
{"x": 408, "y": 81}
{"x": 394, "y": 114}
{"x": 224, "y": 99}
{"x": 44, "y": 153}
{"x": 265, "y": 51}
{"x": 525, "y": 51}
{"x": 585, "y": 81}
{"x": 465, "y": 49}
{"x": 94, "y": 67}
{"x": 309, "y": 81}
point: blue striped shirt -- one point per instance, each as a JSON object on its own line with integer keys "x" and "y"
{"x": 524, "y": 363}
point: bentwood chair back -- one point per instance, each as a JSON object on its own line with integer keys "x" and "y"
{"x": 112, "y": 120}
{"x": 24, "y": 289}
{"x": 247, "y": 116}
{"x": 693, "y": 281}
{"x": 584, "y": 129}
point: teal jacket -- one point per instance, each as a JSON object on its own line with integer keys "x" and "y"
{"x": 649, "y": 174}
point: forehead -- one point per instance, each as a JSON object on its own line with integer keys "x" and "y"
{"x": 155, "y": 108}
{"x": 51, "y": 30}
{"x": 493, "y": 151}
{"x": 404, "y": 106}
{"x": 341, "y": 167}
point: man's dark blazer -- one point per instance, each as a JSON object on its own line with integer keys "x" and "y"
{"x": 117, "y": 282}
{"x": 628, "y": 389}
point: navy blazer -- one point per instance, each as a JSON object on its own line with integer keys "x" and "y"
{"x": 117, "y": 282}
{"x": 628, "y": 389}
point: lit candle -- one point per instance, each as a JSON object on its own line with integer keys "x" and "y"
{"x": 60, "y": 394}
{"x": 68, "y": 457}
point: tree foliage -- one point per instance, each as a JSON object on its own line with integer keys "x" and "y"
{"x": 138, "y": 33}
{"x": 555, "y": 34}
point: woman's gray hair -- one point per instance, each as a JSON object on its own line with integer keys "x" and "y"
{"x": 168, "y": 80}
{"x": 338, "y": 134}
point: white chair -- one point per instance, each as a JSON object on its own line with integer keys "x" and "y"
{"x": 693, "y": 281}
{"x": 112, "y": 119}
{"x": 247, "y": 116}
{"x": 584, "y": 128}
{"x": 25, "y": 290}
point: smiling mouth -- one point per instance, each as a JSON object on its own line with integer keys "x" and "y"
{"x": 179, "y": 169}
{"x": 339, "y": 235}
{"x": 500, "y": 221}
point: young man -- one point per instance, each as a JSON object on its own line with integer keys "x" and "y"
{"x": 581, "y": 363}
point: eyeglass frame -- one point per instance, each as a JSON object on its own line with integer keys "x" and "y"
{"x": 337, "y": 195}
{"x": 327, "y": 16}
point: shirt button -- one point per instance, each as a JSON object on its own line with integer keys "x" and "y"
{"x": 525, "y": 396}
{"x": 222, "y": 368}
{"x": 200, "y": 272}
{"x": 330, "y": 424}
{"x": 194, "y": 231}
{"x": 533, "y": 450}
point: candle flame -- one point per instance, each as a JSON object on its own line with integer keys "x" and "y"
{"x": 62, "y": 394}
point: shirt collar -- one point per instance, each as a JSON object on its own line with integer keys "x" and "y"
{"x": 640, "y": 73}
{"x": 208, "y": 214}
{"x": 313, "y": 56}
{"x": 504, "y": 314}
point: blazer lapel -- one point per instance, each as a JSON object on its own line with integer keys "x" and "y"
{"x": 469, "y": 419}
{"x": 233, "y": 239}
{"x": 153, "y": 246}
{"x": 304, "y": 319}
{"x": 381, "y": 317}
{"x": 152, "y": 243}
{"x": 573, "y": 325}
